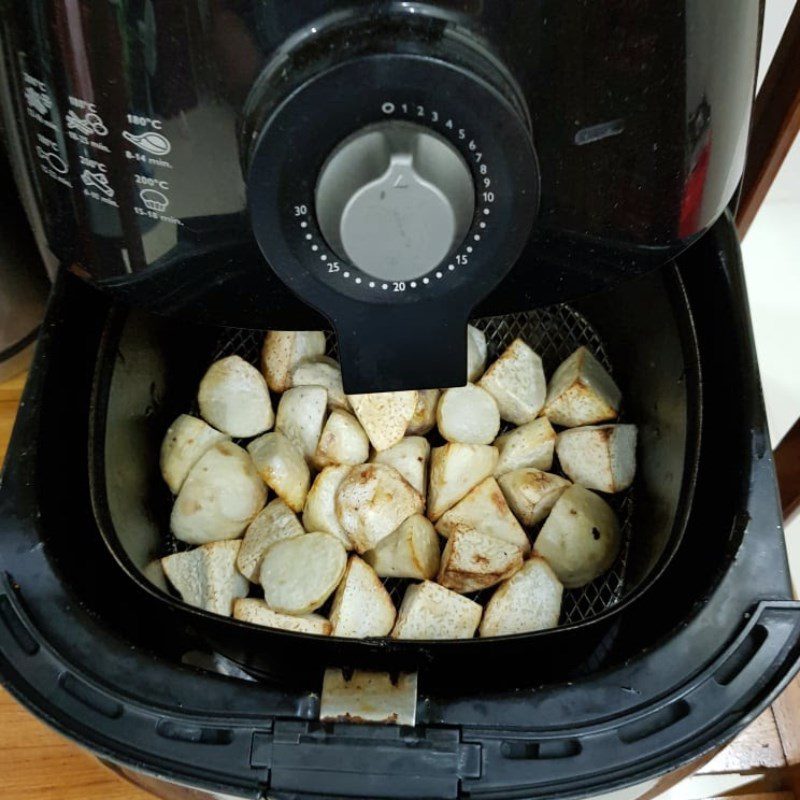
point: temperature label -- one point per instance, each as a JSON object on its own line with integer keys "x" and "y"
{"x": 51, "y": 161}
{"x": 95, "y": 181}
{"x": 152, "y": 194}
{"x": 38, "y": 101}
{"x": 85, "y": 125}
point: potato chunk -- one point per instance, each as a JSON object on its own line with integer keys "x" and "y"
{"x": 472, "y": 561}
{"x": 581, "y": 392}
{"x": 361, "y": 606}
{"x": 530, "y": 600}
{"x": 342, "y": 441}
{"x": 325, "y": 372}
{"x": 257, "y": 612}
{"x": 484, "y": 509}
{"x": 272, "y": 524}
{"x": 430, "y": 611}
{"x": 301, "y": 412}
{"x": 530, "y": 445}
{"x": 468, "y": 414}
{"x": 410, "y": 458}
{"x": 476, "y": 353}
{"x": 220, "y": 496}
{"x": 581, "y": 537}
{"x": 233, "y": 397}
{"x": 424, "y": 417}
{"x": 320, "y": 511}
{"x": 284, "y": 350}
{"x": 384, "y": 416}
{"x": 531, "y": 493}
{"x": 372, "y": 501}
{"x": 516, "y": 381}
{"x": 206, "y": 577}
{"x": 412, "y": 551}
{"x": 185, "y": 441}
{"x": 454, "y": 470}
{"x": 282, "y": 467}
{"x": 299, "y": 574}
{"x": 601, "y": 457}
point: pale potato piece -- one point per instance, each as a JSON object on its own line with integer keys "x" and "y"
{"x": 530, "y": 600}
{"x": 342, "y": 441}
{"x": 476, "y": 353}
{"x": 185, "y": 441}
{"x": 272, "y": 524}
{"x": 220, "y": 496}
{"x": 424, "y": 417}
{"x": 516, "y": 381}
{"x": 206, "y": 577}
{"x": 581, "y": 392}
{"x": 532, "y": 493}
{"x": 410, "y": 458}
{"x": 233, "y": 397}
{"x": 361, "y": 606}
{"x": 372, "y": 501}
{"x": 299, "y": 574}
{"x": 154, "y": 573}
{"x": 257, "y": 612}
{"x": 385, "y": 416}
{"x": 430, "y": 611}
{"x": 320, "y": 511}
{"x": 325, "y": 372}
{"x": 454, "y": 470}
{"x": 530, "y": 445}
{"x": 468, "y": 414}
{"x": 581, "y": 537}
{"x": 412, "y": 551}
{"x": 301, "y": 413}
{"x": 472, "y": 561}
{"x": 484, "y": 509}
{"x": 282, "y": 467}
{"x": 601, "y": 457}
{"x": 284, "y": 350}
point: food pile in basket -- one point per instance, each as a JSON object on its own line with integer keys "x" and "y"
{"x": 358, "y": 495}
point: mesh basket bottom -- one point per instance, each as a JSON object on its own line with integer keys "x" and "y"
{"x": 553, "y": 333}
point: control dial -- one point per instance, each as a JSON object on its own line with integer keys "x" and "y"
{"x": 392, "y": 190}
{"x": 394, "y": 200}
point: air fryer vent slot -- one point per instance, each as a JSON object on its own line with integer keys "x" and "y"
{"x": 654, "y": 723}
{"x": 16, "y": 627}
{"x": 193, "y": 733}
{"x": 554, "y": 333}
{"x": 518, "y": 749}
{"x": 89, "y": 697}
{"x": 742, "y": 656}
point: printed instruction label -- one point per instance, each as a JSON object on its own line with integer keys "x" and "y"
{"x": 94, "y": 176}
{"x": 85, "y": 125}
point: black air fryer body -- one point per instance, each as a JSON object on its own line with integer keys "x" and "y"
{"x": 208, "y": 168}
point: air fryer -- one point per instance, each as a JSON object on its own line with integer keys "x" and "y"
{"x": 386, "y": 172}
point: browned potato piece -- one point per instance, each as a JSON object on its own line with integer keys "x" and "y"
{"x": 284, "y": 350}
{"x": 361, "y": 606}
{"x": 257, "y": 612}
{"x": 484, "y": 509}
{"x": 454, "y": 470}
{"x": 372, "y": 501}
{"x": 581, "y": 392}
{"x": 325, "y": 372}
{"x": 601, "y": 457}
{"x": 424, "y": 417}
{"x": 206, "y": 577}
{"x": 412, "y": 551}
{"x": 282, "y": 467}
{"x": 581, "y": 537}
{"x": 385, "y": 416}
{"x": 274, "y": 522}
{"x": 410, "y": 458}
{"x": 531, "y": 493}
{"x": 516, "y": 381}
{"x": 472, "y": 561}
{"x": 430, "y": 611}
{"x": 530, "y": 600}
{"x": 529, "y": 445}
{"x": 320, "y": 511}
{"x": 185, "y": 441}
{"x": 233, "y": 397}
{"x": 342, "y": 441}
{"x": 220, "y": 496}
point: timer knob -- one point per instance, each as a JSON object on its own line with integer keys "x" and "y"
{"x": 394, "y": 199}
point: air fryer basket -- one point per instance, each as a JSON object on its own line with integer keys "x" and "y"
{"x": 149, "y": 370}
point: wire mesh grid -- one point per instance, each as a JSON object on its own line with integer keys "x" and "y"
{"x": 553, "y": 333}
